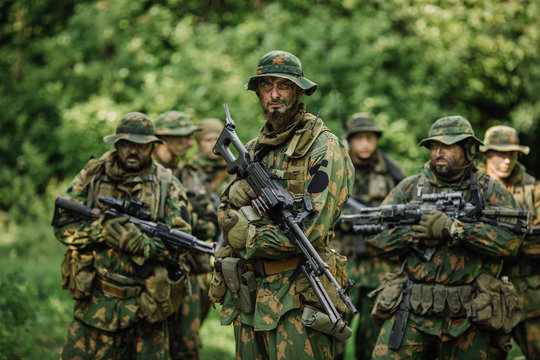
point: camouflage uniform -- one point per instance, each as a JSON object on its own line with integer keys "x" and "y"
{"x": 474, "y": 249}
{"x": 372, "y": 182}
{"x": 320, "y": 168}
{"x": 205, "y": 179}
{"x": 107, "y": 321}
{"x": 524, "y": 269}
{"x": 185, "y": 324}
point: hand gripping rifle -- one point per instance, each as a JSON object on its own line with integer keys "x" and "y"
{"x": 274, "y": 200}
{"x": 174, "y": 240}
{"x": 373, "y": 220}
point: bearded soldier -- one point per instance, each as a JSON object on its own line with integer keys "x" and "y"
{"x": 266, "y": 311}
{"x": 439, "y": 305}
{"x": 116, "y": 274}
{"x": 501, "y": 149}
{"x": 375, "y": 175}
{"x": 176, "y": 130}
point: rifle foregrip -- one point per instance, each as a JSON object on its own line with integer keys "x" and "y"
{"x": 74, "y": 207}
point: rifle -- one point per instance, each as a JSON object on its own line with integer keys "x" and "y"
{"x": 274, "y": 200}
{"x": 402, "y": 317}
{"x": 370, "y": 221}
{"x": 174, "y": 240}
{"x": 357, "y": 205}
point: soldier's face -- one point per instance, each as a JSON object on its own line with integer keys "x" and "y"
{"x": 132, "y": 156}
{"x": 362, "y": 145}
{"x": 206, "y": 144}
{"x": 447, "y": 160}
{"x": 178, "y": 145}
{"x": 500, "y": 164}
{"x": 278, "y": 96}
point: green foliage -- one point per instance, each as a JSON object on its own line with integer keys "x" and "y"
{"x": 71, "y": 70}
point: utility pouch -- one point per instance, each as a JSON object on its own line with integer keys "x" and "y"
{"x": 389, "y": 296}
{"x": 241, "y": 283}
{"x": 161, "y": 296}
{"x": 78, "y": 274}
{"x": 218, "y": 288}
{"x": 319, "y": 321}
{"x": 495, "y": 306}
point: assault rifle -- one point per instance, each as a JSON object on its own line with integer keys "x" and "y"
{"x": 370, "y": 221}
{"x": 357, "y": 205}
{"x": 174, "y": 240}
{"x": 274, "y": 200}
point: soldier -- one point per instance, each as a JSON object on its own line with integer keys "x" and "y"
{"x": 115, "y": 273}
{"x": 176, "y": 129}
{"x": 205, "y": 176}
{"x": 298, "y": 148}
{"x": 449, "y": 266}
{"x": 375, "y": 175}
{"x": 501, "y": 148}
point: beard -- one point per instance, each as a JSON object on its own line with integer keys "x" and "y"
{"x": 143, "y": 164}
{"x": 450, "y": 171}
{"x": 278, "y": 119}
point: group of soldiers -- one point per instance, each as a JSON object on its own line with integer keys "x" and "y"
{"x": 479, "y": 286}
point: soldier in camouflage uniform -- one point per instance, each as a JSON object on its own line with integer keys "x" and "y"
{"x": 114, "y": 272}
{"x": 375, "y": 175}
{"x": 176, "y": 130}
{"x": 311, "y": 160}
{"x": 448, "y": 297}
{"x": 501, "y": 148}
{"x": 204, "y": 175}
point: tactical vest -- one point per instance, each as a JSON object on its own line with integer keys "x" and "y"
{"x": 296, "y": 172}
{"x": 524, "y": 193}
{"x": 152, "y": 189}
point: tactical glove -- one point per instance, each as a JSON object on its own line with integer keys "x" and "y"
{"x": 434, "y": 226}
{"x": 123, "y": 235}
{"x": 235, "y": 226}
{"x": 241, "y": 193}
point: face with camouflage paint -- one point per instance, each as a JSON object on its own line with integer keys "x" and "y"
{"x": 500, "y": 164}
{"x": 134, "y": 157}
{"x": 175, "y": 147}
{"x": 279, "y": 99}
{"x": 448, "y": 161}
{"x": 362, "y": 146}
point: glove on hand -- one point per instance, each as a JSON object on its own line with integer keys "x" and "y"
{"x": 123, "y": 235}
{"x": 434, "y": 226}
{"x": 241, "y": 193}
{"x": 235, "y": 226}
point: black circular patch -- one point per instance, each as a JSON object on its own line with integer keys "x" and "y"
{"x": 318, "y": 183}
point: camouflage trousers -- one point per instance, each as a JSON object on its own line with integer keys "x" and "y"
{"x": 184, "y": 326}
{"x": 204, "y": 282}
{"x": 140, "y": 341}
{"x": 290, "y": 340}
{"x": 474, "y": 343}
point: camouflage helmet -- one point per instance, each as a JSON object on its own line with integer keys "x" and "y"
{"x": 174, "y": 123}
{"x": 207, "y": 126}
{"x": 361, "y": 122}
{"x": 450, "y": 130}
{"x": 282, "y": 64}
{"x": 134, "y": 127}
{"x": 502, "y": 138}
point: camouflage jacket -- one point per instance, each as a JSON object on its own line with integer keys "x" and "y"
{"x": 327, "y": 177}
{"x": 476, "y": 249}
{"x": 371, "y": 185}
{"x": 107, "y": 312}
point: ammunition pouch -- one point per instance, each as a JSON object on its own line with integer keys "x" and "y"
{"x": 319, "y": 321}
{"x": 161, "y": 296}
{"x": 440, "y": 300}
{"x": 495, "y": 306}
{"x": 240, "y": 282}
{"x": 78, "y": 274}
{"x": 218, "y": 288}
{"x": 389, "y": 296}
{"x": 337, "y": 265}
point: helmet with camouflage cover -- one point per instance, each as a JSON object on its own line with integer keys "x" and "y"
{"x": 174, "y": 123}
{"x": 279, "y": 63}
{"x": 135, "y": 127}
{"x": 503, "y": 138}
{"x": 450, "y": 130}
{"x": 361, "y": 122}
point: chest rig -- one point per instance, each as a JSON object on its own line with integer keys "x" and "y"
{"x": 150, "y": 188}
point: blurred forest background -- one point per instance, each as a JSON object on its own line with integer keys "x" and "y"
{"x": 70, "y": 69}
